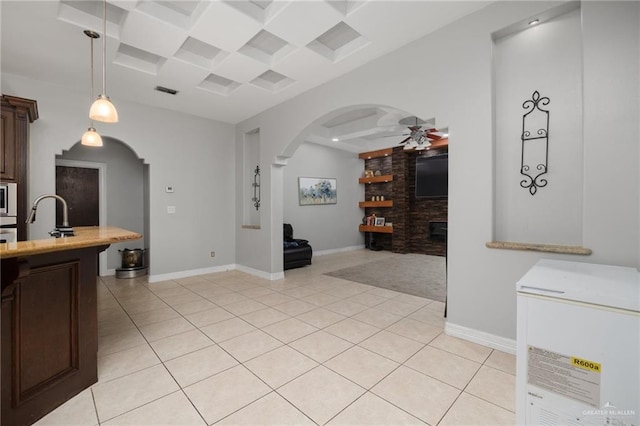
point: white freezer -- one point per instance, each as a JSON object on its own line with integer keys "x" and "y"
{"x": 578, "y": 345}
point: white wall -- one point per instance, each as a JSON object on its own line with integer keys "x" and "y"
{"x": 546, "y": 58}
{"x": 331, "y": 226}
{"x": 194, "y": 155}
{"x": 458, "y": 91}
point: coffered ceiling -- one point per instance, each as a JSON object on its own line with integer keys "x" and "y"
{"x": 228, "y": 59}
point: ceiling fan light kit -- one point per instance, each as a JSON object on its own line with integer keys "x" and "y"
{"x": 419, "y": 138}
{"x": 102, "y": 109}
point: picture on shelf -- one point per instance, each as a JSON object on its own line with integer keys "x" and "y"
{"x": 379, "y": 221}
{"x": 317, "y": 191}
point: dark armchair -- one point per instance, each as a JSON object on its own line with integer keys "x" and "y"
{"x": 297, "y": 252}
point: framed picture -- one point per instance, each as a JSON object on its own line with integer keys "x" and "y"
{"x": 379, "y": 221}
{"x": 317, "y": 191}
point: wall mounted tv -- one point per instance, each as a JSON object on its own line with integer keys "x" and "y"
{"x": 432, "y": 176}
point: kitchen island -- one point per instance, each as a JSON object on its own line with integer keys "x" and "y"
{"x": 49, "y": 328}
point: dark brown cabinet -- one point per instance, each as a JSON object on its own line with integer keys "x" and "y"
{"x": 17, "y": 114}
{"x": 49, "y": 331}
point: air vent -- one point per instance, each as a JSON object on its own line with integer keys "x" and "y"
{"x": 166, "y": 90}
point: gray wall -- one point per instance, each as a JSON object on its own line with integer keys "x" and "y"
{"x": 125, "y": 190}
{"x": 459, "y": 93}
{"x": 331, "y": 226}
{"x": 194, "y": 155}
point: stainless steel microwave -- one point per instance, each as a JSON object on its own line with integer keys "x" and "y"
{"x": 8, "y": 199}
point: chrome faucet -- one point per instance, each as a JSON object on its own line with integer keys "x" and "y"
{"x": 65, "y": 229}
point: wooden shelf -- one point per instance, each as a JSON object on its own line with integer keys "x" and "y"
{"x": 379, "y": 229}
{"x": 385, "y": 203}
{"x": 376, "y": 154}
{"x": 376, "y": 179}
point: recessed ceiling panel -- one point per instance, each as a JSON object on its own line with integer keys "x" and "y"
{"x": 199, "y": 53}
{"x": 260, "y": 10}
{"x": 266, "y": 47}
{"x": 225, "y": 27}
{"x": 148, "y": 33}
{"x": 345, "y": 7}
{"x": 272, "y": 81}
{"x": 218, "y": 84}
{"x": 338, "y": 42}
{"x": 240, "y": 68}
{"x": 89, "y": 15}
{"x": 179, "y": 13}
{"x": 138, "y": 59}
{"x": 294, "y": 24}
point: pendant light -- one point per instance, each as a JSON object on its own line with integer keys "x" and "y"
{"x": 102, "y": 109}
{"x": 91, "y": 137}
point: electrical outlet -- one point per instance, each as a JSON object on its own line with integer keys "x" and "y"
{"x": 213, "y": 254}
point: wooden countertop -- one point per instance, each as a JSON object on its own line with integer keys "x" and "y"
{"x": 85, "y": 236}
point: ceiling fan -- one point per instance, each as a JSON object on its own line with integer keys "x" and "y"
{"x": 420, "y": 135}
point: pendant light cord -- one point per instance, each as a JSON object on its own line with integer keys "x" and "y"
{"x": 104, "y": 51}
{"x": 91, "y": 99}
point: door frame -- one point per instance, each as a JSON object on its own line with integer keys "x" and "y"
{"x": 102, "y": 197}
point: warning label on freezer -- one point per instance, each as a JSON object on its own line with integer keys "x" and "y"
{"x": 569, "y": 376}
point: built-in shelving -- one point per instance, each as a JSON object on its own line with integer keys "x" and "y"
{"x": 385, "y": 203}
{"x": 376, "y": 179}
{"x": 379, "y": 229}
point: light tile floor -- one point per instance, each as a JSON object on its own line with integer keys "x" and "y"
{"x": 230, "y": 348}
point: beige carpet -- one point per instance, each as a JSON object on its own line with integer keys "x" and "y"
{"x": 416, "y": 274}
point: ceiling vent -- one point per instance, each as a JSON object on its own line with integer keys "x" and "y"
{"x": 166, "y": 90}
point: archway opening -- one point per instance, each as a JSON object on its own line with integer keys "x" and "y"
{"x": 122, "y": 186}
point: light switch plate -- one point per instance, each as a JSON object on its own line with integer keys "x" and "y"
{"x": 171, "y": 209}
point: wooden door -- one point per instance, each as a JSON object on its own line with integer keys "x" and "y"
{"x": 80, "y": 187}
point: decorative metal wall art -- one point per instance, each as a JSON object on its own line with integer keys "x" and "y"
{"x": 535, "y": 122}
{"x": 256, "y": 188}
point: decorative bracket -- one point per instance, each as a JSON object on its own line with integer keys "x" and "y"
{"x": 539, "y": 118}
{"x": 256, "y": 188}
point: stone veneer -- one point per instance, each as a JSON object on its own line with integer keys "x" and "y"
{"x": 410, "y": 215}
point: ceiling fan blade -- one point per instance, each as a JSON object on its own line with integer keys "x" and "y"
{"x": 435, "y": 135}
{"x": 395, "y": 136}
{"x": 403, "y": 141}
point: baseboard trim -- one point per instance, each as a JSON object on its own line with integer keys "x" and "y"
{"x": 190, "y": 273}
{"x": 271, "y": 276}
{"x": 476, "y": 336}
{"x": 338, "y": 250}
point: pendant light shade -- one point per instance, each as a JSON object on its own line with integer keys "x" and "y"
{"x": 91, "y": 138}
{"x": 102, "y": 109}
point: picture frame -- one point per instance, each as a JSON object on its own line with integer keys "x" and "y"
{"x": 379, "y": 221}
{"x": 317, "y": 191}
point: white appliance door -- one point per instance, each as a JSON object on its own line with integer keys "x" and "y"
{"x": 577, "y": 363}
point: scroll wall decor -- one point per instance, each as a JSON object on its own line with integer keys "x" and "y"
{"x": 256, "y": 188}
{"x": 535, "y": 132}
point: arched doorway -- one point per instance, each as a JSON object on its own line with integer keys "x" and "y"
{"x": 119, "y": 192}
{"x": 328, "y": 147}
